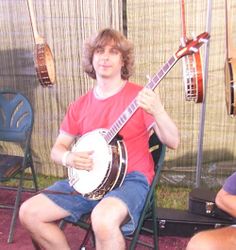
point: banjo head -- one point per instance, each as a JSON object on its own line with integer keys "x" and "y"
{"x": 44, "y": 65}
{"x": 87, "y": 181}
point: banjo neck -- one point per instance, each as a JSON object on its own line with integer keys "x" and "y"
{"x": 37, "y": 38}
{"x": 192, "y": 46}
{"x": 230, "y": 49}
{"x": 131, "y": 109}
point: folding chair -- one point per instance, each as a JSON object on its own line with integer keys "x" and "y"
{"x": 16, "y": 123}
{"x": 149, "y": 212}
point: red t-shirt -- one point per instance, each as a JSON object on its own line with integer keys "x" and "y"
{"x": 88, "y": 113}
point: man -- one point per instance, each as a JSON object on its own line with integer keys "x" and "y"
{"x": 221, "y": 238}
{"x": 108, "y": 59}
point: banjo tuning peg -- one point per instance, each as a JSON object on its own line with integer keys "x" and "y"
{"x": 193, "y": 36}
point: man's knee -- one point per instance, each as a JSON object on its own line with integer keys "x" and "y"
{"x": 26, "y": 213}
{"x": 192, "y": 244}
{"x": 201, "y": 241}
{"x": 29, "y": 212}
{"x": 99, "y": 220}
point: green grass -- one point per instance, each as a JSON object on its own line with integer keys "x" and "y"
{"x": 172, "y": 197}
{"x": 167, "y": 196}
{"x": 43, "y": 181}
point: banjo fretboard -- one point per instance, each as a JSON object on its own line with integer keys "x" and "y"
{"x": 130, "y": 110}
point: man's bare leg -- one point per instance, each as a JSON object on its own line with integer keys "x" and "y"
{"x": 38, "y": 216}
{"x": 107, "y": 217}
{"x": 216, "y": 239}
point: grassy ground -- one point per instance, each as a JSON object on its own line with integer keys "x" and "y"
{"x": 167, "y": 196}
{"x": 172, "y": 197}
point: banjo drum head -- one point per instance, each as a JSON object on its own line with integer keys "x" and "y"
{"x": 89, "y": 181}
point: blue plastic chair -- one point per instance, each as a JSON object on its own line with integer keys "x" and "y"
{"x": 16, "y": 123}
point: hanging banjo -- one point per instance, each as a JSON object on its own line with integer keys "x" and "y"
{"x": 43, "y": 58}
{"x": 230, "y": 65}
{"x": 192, "y": 68}
{"x": 110, "y": 156}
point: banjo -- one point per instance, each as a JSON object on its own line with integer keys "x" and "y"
{"x": 192, "y": 68}
{"x": 43, "y": 58}
{"x": 110, "y": 155}
{"x": 230, "y": 65}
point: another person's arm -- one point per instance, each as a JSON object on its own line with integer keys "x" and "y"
{"x": 226, "y": 197}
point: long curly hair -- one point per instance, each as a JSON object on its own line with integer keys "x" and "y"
{"x": 104, "y": 37}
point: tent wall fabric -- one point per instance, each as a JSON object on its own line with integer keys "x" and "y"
{"x": 155, "y": 28}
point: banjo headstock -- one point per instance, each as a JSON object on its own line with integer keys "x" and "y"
{"x": 192, "y": 45}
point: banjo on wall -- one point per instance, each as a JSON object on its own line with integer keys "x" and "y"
{"x": 230, "y": 64}
{"x": 192, "y": 67}
{"x": 110, "y": 156}
{"x": 43, "y": 58}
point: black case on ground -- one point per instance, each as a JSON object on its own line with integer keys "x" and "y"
{"x": 202, "y": 201}
{"x": 182, "y": 223}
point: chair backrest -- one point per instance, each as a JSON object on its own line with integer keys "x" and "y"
{"x": 149, "y": 210}
{"x": 157, "y": 150}
{"x": 16, "y": 116}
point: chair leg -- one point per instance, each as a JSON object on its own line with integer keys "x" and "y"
{"x": 89, "y": 231}
{"x": 135, "y": 236}
{"x": 134, "y": 239}
{"x": 86, "y": 238}
{"x": 62, "y": 224}
{"x": 155, "y": 229}
{"x": 33, "y": 173}
{"x": 15, "y": 211}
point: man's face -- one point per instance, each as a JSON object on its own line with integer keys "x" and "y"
{"x": 107, "y": 61}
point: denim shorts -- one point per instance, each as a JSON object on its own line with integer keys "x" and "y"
{"x": 132, "y": 192}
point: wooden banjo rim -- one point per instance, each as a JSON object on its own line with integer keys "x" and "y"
{"x": 44, "y": 64}
{"x": 230, "y": 90}
{"x": 43, "y": 58}
{"x": 114, "y": 174}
